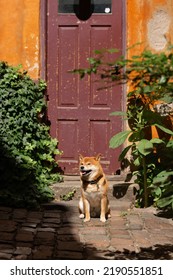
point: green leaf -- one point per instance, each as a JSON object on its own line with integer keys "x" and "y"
{"x": 145, "y": 147}
{"x": 135, "y": 136}
{"x": 158, "y": 192}
{"x": 118, "y": 139}
{"x": 162, "y": 80}
{"x": 118, "y": 113}
{"x": 148, "y": 89}
{"x": 156, "y": 141}
{"x": 113, "y": 50}
{"x": 170, "y": 144}
{"x": 137, "y": 162}
{"x": 163, "y": 128}
{"x": 124, "y": 152}
{"x": 166, "y": 99}
{"x": 163, "y": 202}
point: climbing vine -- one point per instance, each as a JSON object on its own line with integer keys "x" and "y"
{"x": 27, "y": 151}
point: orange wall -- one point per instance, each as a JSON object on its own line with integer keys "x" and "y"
{"x": 147, "y": 21}
{"x": 19, "y": 34}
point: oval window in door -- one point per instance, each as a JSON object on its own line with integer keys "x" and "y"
{"x": 84, "y": 7}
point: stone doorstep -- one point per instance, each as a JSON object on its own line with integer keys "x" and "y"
{"x": 76, "y": 178}
{"x": 117, "y": 190}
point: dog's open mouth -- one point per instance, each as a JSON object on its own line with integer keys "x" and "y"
{"x": 85, "y": 172}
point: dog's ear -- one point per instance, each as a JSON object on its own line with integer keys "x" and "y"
{"x": 80, "y": 157}
{"x": 98, "y": 157}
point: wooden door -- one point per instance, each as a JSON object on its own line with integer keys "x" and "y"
{"x": 79, "y": 114}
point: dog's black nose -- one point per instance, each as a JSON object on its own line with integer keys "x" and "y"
{"x": 82, "y": 168}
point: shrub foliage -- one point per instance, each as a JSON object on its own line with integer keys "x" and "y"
{"x": 150, "y": 82}
{"x": 27, "y": 163}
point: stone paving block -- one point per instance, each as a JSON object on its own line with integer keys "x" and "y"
{"x": 95, "y": 238}
{"x": 115, "y": 213}
{"x": 20, "y": 214}
{"x": 51, "y": 220}
{"x": 122, "y": 243}
{"x": 7, "y": 226}
{"x": 98, "y": 244}
{"x": 47, "y": 229}
{"x": 124, "y": 247}
{"x": 7, "y": 237}
{"x": 55, "y": 226}
{"x": 20, "y": 257}
{"x": 33, "y": 221}
{"x": 141, "y": 237}
{"x": 68, "y": 255}
{"x": 5, "y": 256}
{"x": 135, "y": 226}
{"x": 29, "y": 225}
{"x": 68, "y": 230}
{"x": 24, "y": 236}
{"x": 160, "y": 239}
{"x": 6, "y": 209}
{"x": 6, "y": 248}
{"x": 24, "y": 244}
{"x": 96, "y": 254}
{"x": 52, "y": 214}
{"x": 69, "y": 246}
{"x": 22, "y": 251}
{"x": 5, "y": 215}
{"x": 35, "y": 215}
{"x": 30, "y": 229}
{"x": 118, "y": 225}
{"x": 163, "y": 232}
{"x": 95, "y": 222}
{"x": 68, "y": 237}
{"x": 120, "y": 233}
{"x": 93, "y": 231}
{"x": 152, "y": 223}
{"x": 42, "y": 252}
{"x": 45, "y": 238}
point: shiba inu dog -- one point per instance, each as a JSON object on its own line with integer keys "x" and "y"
{"x": 94, "y": 200}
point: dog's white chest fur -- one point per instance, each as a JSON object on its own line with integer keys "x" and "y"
{"x": 93, "y": 195}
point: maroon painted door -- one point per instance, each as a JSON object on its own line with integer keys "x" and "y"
{"x": 79, "y": 114}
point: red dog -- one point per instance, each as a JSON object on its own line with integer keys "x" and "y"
{"x": 94, "y": 201}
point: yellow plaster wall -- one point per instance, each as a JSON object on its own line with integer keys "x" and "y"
{"x": 149, "y": 22}
{"x": 19, "y": 34}
{"x": 19, "y": 29}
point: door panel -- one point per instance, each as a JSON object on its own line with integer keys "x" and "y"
{"x": 78, "y": 112}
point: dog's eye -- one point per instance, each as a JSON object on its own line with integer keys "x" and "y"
{"x": 88, "y": 163}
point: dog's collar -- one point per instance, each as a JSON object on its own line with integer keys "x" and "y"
{"x": 93, "y": 182}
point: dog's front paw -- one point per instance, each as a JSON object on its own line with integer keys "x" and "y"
{"x": 81, "y": 216}
{"x": 103, "y": 219}
{"x": 86, "y": 220}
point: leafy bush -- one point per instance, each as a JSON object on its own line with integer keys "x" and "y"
{"x": 150, "y": 81}
{"x": 27, "y": 164}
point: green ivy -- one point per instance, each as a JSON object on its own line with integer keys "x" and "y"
{"x": 27, "y": 151}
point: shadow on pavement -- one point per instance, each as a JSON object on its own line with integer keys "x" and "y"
{"x": 53, "y": 233}
{"x": 158, "y": 252}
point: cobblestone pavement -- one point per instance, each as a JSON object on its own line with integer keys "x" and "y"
{"x": 56, "y": 232}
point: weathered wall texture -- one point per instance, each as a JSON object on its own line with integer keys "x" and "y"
{"x": 147, "y": 21}
{"x": 19, "y": 34}
{"x": 150, "y": 22}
